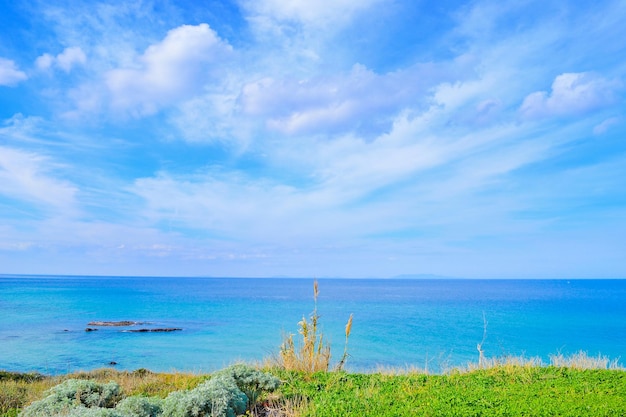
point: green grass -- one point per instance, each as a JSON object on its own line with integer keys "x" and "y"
{"x": 501, "y": 391}
{"x": 504, "y": 390}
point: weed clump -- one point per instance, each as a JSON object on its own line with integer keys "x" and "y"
{"x": 313, "y": 353}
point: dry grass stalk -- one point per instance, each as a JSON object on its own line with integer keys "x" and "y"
{"x": 582, "y": 360}
{"x": 313, "y": 353}
{"x": 479, "y": 346}
{"x": 502, "y": 362}
{"x": 342, "y": 362}
{"x": 286, "y": 407}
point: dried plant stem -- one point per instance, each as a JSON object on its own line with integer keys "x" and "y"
{"x": 481, "y": 352}
{"x": 313, "y": 353}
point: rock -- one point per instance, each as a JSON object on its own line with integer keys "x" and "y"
{"x": 114, "y": 323}
{"x": 158, "y": 330}
{"x": 112, "y": 363}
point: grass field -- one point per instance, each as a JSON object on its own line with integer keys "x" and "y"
{"x": 502, "y": 390}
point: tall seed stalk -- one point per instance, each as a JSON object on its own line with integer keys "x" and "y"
{"x": 314, "y": 353}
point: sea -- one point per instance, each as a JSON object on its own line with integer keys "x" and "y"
{"x": 428, "y": 324}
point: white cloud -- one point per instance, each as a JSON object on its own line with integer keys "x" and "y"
{"x": 10, "y": 75}
{"x": 66, "y": 60}
{"x": 572, "y": 93}
{"x": 168, "y": 71}
{"x": 326, "y": 13}
{"x": 331, "y": 182}
{"x": 607, "y": 124}
{"x": 44, "y": 62}
{"x": 360, "y": 100}
{"x": 25, "y": 176}
{"x": 70, "y": 57}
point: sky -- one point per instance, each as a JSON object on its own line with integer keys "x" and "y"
{"x": 328, "y": 138}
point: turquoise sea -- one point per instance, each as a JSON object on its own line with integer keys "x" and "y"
{"x": 432, "y": 324}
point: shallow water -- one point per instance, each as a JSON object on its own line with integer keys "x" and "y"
{"x": 430, "y": 324}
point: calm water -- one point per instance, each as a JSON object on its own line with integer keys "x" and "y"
{"x": 433, "y": 323}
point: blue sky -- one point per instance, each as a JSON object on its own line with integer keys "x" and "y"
{"x": 335, "y": 138}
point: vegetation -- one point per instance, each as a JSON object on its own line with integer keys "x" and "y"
{"x": 228, "y": 393}
{"x": 312, "y": 353}
{"x": 511, "y": 391}
{"x": 510, "y": 387}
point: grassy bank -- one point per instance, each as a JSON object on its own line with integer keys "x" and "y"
{"x": 501, "y": 390}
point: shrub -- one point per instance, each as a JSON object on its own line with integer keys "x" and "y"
{"x": 136, "y": 406}
{"x": 82, "y": 411}
{"x": 227, "y": 394}
{"x": 74, "y": 393}
{"x": 251, "y": 381}
{"x": 88, "y": 393}
{"x": 219, "y": 396}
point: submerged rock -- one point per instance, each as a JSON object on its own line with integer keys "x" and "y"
{"x": 166, "y": 329}
{"x": 128, "y": 323}
{"x": 114, "y": 323}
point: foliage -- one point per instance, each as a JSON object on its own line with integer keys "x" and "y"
{"x": 137, "y": 406}
{"x": 74, "y": 393}
{"x": 218, "y": 396}
{"x": 251, "y": 381}
{"x": 88, "y": 393}
{"x": 82, "y": 411}
{"x": 17, "y": 376}
{"x": 510, "y": 391}
{"x": 509, "y": 386}
{"x": 228, "y": 393}
{"x": 18, "y": 390}
{"x": 313, "y": 353}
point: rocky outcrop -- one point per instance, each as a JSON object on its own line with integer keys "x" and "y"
{"x": 128, "y": 323}
{"x": 157, "y": 330}
{"x": 122, "y": 323}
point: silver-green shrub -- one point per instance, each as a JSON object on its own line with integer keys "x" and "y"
{"x": 251, "y": 381}
{"x": 227, "y": 394}
{"x": 81, "y": 411}
{"x": 217, "y": 397}
{"x": 136, "y": 406}
{"x": 88, "y": 393}
{"x": 74, "y": 393}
